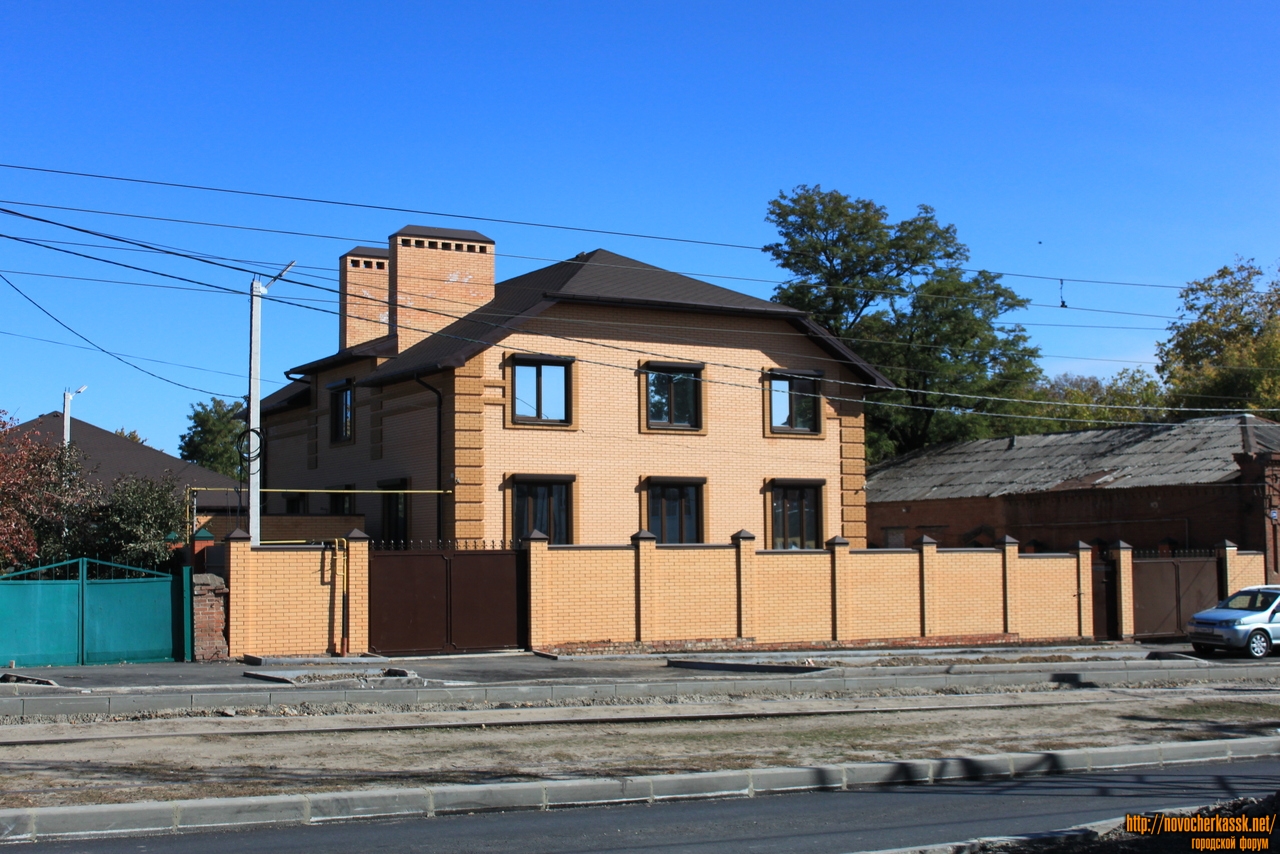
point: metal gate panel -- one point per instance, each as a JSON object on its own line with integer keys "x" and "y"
{"x": 408, "y": 602}
{"x": 129, "y": 620}
{"x": 39, "y": 621}
{"x": 1168, "y": 590}
{"x": 484, "y": 602}
{"x": 91, "y": 612}
{"x": 447, "y": 600}
{"x": 1106, "y": 613}
{"x": 1155, "y": 598}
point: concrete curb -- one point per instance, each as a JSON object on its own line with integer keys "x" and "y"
{"x": 41, "y": 823}
{"x": 957, "y": 676}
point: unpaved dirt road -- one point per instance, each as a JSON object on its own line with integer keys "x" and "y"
{"x": 285, "y": 749}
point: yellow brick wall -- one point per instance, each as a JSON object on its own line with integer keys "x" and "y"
{"x": 879, "y": 595}
{"x": 434, "y": 287}
{"x": 362, "y": 299}
{"x": 581, "y": 595}
{"x": 289, "y": 600}
{"x": 610, "y": 449}
{"x": 1245, "y": 569}
{"x": 793, "y": 597}
{"x": 688, "y": 593}
{"x": 1045, "y": 601}
{"x": 965, "y": 593}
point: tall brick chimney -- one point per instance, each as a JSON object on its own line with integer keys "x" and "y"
{"x": 362, "y": 296}
{"x": 437, "y": 275}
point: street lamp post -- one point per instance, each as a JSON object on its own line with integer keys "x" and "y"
{"x": 66, "y": 413}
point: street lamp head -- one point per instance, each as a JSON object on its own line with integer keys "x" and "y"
{"x": 82, "y": 388}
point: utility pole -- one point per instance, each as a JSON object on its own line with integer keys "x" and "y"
{"x": 253, "y": 449}
{"x": 67, "y": 394}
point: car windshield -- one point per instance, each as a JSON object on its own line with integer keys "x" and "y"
{"x": 1250, "y": 600}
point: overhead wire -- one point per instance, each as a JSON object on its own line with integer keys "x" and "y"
{"x": 986, "y": 398}
{"x": 102, "y": 349}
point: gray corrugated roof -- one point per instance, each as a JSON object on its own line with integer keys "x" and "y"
{"x": 1197, "y": 451}
{"x": 443, "y": 233}
{"x": 599, "y": 277}
{"x": 108, "y": 456}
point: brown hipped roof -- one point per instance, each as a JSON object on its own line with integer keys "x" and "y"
{"x": 599, "y": 278}
{"x": 108, "y": 457}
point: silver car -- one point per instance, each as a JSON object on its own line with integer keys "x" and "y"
{"x": 1248, "y": 620}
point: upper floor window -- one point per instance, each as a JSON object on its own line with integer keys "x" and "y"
{"x": 674, "y": 392}
{"x": 341, "y": 411}
{"x": 542, "y": 389}
{"x": 793, "y": 401}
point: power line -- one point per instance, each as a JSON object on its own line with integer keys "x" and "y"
{"x": 129, "y": 356}
{"x": 51, "y": 316}
{"x": 650, "y": 353}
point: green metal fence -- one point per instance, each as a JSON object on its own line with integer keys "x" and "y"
{"x": 87, "y": 611}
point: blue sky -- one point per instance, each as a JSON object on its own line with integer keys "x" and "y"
{"x": 1131, "y": 142}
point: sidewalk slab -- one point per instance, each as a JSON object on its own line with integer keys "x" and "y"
{"x": 563, "y": 793}
{"x": 818, "y": 777}
{"x": 103, "y": 820}
{"x": 715, "y": 784}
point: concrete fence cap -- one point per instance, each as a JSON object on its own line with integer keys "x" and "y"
{"x": 537, "y": 535}
{"x": 1009, "y": 541}
{"x": 643, "y": 535}
{"x": 1121, "y": 545}
{"x": 238, "y": 534}
{"x": 357, "y": 535}
{"x": 926, "y": 540}
{"x": 744, "y": 534}
{"x": 837, "y": 541}
{"x": 1226, "y": 544}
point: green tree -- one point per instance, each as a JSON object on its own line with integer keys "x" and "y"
{"x": 897, "y": 293}
{"x": 1223, "y": 351}
{"x": 136, "y": 519}
{"x": 1131, "y": 395}
{"x": 210, "y": 441}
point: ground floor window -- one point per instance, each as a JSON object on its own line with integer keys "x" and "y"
{"x": 796, "y": 513}
{"x": 675, "y": 512}
{"x": 542, "y": 506}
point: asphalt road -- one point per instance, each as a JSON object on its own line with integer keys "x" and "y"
{"x": 816, "y": 823}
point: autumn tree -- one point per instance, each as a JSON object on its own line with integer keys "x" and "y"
{"x": 899, "y": 295}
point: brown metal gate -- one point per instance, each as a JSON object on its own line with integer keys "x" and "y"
{"x": 1168, "y": 589}
{"x": 447, "y": 600}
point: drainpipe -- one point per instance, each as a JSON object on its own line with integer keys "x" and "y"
{"x": 439, "y": 454}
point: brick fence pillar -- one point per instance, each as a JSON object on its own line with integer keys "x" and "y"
{"x": 1013, "y": 622}
{"x": 647, "y": 598}
{"x": 540, "y": 619}
{"x": 744, "y": 543}
{"x": 928, "y": 561}
{"x": 358, "y": 603}
{"x": 1124, "y": 586}
{"x": 241, "y": 594}
{"x": 839, "y": 548}
{"x": 1227, "y": 564}
{"x": 1084, "y": 589}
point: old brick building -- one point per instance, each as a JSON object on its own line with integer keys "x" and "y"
{"x": 588, "y": 399}
{"x": 1155, "y": 486}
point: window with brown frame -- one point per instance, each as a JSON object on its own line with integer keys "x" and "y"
{"x": 674, "y": 395}
{"x": 542, "y": 503}
{"x": 675, "y": 509}
{"x": 541, "y": 389}
{"x": 797, "y": 514}
{"x": 793, "y": 401}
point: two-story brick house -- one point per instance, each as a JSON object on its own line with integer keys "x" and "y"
{"x": 587, "y": 399}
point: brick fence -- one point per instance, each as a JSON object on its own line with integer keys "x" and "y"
{"x": 649, "y": 597}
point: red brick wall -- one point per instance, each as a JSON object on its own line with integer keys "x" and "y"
{"x": 1197, "y": 517}
{"x": 209, "y": 618}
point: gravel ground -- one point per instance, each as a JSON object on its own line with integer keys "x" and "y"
{"x": 172, "y": 766}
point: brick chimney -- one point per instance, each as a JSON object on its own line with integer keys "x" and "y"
{"x": 362, "y": 296}
{"x": 445, "y": 271}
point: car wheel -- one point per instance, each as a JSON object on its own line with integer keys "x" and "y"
{"x": 1202, "y": 648}
{"x": 1258, "y": 645}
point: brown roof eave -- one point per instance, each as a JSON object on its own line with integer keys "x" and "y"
{"x": 837, "y": 348}
{"x": 378, "y": 347}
